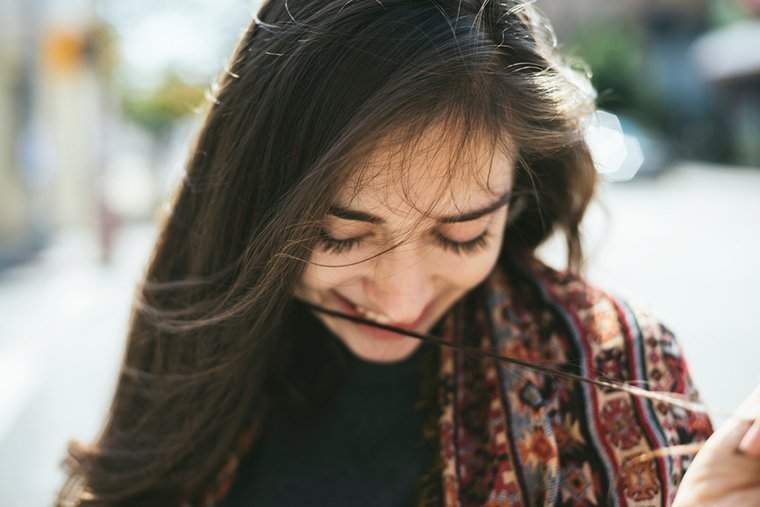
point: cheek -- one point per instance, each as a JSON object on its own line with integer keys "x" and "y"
{"x": 320, "y": 278}
{"x": 469, "y": 272}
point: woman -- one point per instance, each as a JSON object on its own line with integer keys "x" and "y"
{"x": 396, "y": 163}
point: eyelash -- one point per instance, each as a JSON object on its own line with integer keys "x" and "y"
{"x": 459, "y": 247}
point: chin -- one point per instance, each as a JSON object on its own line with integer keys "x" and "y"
{"x": 392, "y": 351}
{"x": 373, "y": 345}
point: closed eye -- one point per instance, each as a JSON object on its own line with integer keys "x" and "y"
{"x": 463, "y": 247}
{"x": 339, "y": 246}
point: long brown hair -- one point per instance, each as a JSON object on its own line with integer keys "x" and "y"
{"x": 309, "y": 89}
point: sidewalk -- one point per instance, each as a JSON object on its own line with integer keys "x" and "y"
{"x": 61, "y": 341}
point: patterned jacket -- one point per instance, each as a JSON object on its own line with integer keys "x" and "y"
{"x": 511, "y": 436}
{"x": 531, "y": 439}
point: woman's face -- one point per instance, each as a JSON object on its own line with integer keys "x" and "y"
{"x": 414, "y": 284}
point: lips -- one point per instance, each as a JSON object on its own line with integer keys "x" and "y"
{"x": 350, "y": 308}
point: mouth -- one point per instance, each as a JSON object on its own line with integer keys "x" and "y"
{"x": 350, "y": 308}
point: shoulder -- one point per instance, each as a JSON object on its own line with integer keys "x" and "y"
{"x": 595, "y": 309}
{"x": 607, "y": 337}
{"x": 618, "y": 338}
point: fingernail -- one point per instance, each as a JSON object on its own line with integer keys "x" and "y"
{"x": 750, "y": 443}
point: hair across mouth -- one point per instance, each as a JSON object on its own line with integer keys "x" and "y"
{"x": 381, "y": 319}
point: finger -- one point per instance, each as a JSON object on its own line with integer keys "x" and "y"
{"x": 728, "y": 436}
{"x": 750, "y": 407}
{"x": 750, "y": 442}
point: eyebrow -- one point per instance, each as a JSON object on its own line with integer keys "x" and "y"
{"x": 363, "y": 216}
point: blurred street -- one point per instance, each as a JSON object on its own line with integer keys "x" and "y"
{"x": 685, "y": 245}
{"x": 100, "y": 102}
{"x": 61, "y": 340}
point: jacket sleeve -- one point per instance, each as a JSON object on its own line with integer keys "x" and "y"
{"x": 616, "y": 447}
{"x": 653, "y": 348}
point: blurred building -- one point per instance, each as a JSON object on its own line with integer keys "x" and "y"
{"x": 55, "y": 103}
{"x": 729, "y": 59}
{"x": 568, "y": 16}
{"x": 15, "y": 81}
{"x": 641, "y": 54}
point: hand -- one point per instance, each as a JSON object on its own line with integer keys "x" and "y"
{"x": 726, "y": 470}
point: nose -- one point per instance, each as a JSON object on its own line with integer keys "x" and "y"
{"x": 399, "y": 284}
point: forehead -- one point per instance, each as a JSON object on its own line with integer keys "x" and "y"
{"x": 435, "y": 172}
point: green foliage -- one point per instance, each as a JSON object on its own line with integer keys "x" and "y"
{"x": 725, "y": 12}
{"x": 158, "y": 109}
{"x": 616, "y": 52}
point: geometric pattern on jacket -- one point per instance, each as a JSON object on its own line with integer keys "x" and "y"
{"x": 516, "y": 437}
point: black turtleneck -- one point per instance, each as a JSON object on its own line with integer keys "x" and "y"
{"x": 364, "y": 447}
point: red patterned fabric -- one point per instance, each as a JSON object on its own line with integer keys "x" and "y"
{"x": 513, "y": 437}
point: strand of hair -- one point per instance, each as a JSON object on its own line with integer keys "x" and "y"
{"x": 662, "y": 396}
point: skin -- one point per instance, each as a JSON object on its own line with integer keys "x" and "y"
{"x": 401, "y": 283}
{"x": 726, "y": 470}
{"x": 419, "y": 275}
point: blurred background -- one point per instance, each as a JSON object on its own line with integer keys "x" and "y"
{"x": 99, "y": 100}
